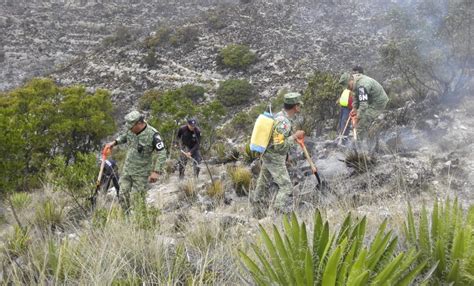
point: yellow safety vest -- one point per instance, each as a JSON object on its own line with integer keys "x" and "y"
{"x": 344, "y": 100}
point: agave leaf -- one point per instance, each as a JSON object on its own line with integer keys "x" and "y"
{"x": 267, "y": 268}
{"x": 343, "y": 232}
{"x": 408, "y": 279}
{"x": 330, "y": 271}
{"x": 285, "y": 256}
{"x": 378, "y": 252}
{"x": 348, "y": 261}
{"x": 427, "y": 275}
{"x": 458, "y": 249}
{"x": 440, "y": 257}
{"x": 358, "y": 267}
{"x": 379, "y": 237}
{"x": 455, "y": 273}
{"x": 387, "y": 272}
{"x": 309, "y": 268}
{"x": 360, "y": 280}
{"x": 435, "y": 221}
{"x": 252, "y": 267}
{"x": 387, "y": 255}
{"x": 424, "y": 235}
{"x": 410, "y": 226}
{"x": 273, "y": 254}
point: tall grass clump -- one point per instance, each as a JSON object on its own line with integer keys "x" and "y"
{"x": 446, "y": 240}
{"x": 295, "y": 257}
{"x": 241, "y": 178}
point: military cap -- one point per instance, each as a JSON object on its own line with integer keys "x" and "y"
{"x": 344, "y": 79}
{"x": 293, "y": 98}
{"x": 132, "y": 118}
{"x": 192, "y": 121}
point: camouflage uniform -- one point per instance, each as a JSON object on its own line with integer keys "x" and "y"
{"x": 274, "y": 165}
{"x": 370, "y": 100}
{"x": 140, "y": 160}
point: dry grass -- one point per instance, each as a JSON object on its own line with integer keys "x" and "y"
{"x": 216, "y": 190}
{"x": 241, "y": 178}
{"x": 188, "y": 188}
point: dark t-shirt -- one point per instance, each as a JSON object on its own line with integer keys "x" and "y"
{"x": 190, "y": 138}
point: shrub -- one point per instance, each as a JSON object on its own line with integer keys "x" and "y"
{"x": 160, "y": 38}
{"x": 18, "y": 242}
{"x": 293, "y": 258}
{"x": 236, "y": 57}
{"x": 49, "y": 120}
{"x": 241, "y": 178}
{"x": 184, "y": 36}
{"x": 121, "y": 37}
{"x": 150, "y": 60}
{"x": 234, "y": 92}
{"x": 446, "y": 241}
{"x": 20, "y": 200}
{"x": 49, "y": 215}
{"x": 216, "y": 20}
{"x": 193, "y": 92}
{"x": 320, "y": 101}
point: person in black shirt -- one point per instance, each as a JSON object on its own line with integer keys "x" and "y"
{"x": 189, "y": 137}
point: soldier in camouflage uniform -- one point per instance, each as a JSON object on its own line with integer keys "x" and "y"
{"x": 274, "y": 160}
{"x": 142, "y": 164}
{"x": 369, "y": 100}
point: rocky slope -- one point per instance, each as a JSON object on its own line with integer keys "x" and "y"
{"x": 290, "y": 39}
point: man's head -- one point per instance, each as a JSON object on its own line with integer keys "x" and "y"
{"x": 346, "y": 80}
{"x": 292, "y": 103}
{"x": 134, "y": 121}
{"x": 358, "y": 69}
{"x": 191, "y": 123}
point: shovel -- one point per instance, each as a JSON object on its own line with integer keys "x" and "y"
{"x": 93, "y": 197}
{"x": 310, "y": 161}
{"x": 341, "y": 136}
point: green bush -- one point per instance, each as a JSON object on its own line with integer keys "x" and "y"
{"x": 320, "y": 101}
{"x": 193, "y": 92}
{"x": 294, "y": 258}
{"x": 216, "y": 20}
{"x": 445, "y": 240}
{"x": 151, "y": 60}
{"x": 236, "y": 56}
{"x": 49, "y": 120}
{"x": 234, "y": 92}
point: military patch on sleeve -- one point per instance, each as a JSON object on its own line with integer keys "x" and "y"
{"x": 157, "y": 142}
{"x": 363, "y": 94}
{"x": 278, "y": 138}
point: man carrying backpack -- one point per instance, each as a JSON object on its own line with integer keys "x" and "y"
{"x": 274, "y": 159}
{"x": 189, "y": 137}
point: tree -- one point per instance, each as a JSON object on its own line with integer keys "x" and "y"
{"x": 43, "y": 120}
{"x": 236, "y": 57}
{"x": 430, "y": 45}
{"x": 320, "y": 101}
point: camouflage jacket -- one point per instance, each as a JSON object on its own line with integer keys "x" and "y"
{"x": 281, "y": 140}
{"x": 141, "y": 159}
{"x": 368, "y": 93}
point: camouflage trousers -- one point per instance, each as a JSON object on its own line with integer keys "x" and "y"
{"x": 366, "y": 118}
{"x": 273, "y": 170}
{"x": 133, "y": 192}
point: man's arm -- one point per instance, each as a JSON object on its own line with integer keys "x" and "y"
{"x": 122, "y": 138}
{"x": 160, "y": 159}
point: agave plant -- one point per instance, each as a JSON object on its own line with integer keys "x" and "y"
{"x": 446, "y": 242}
{"x": 294, "y": 258}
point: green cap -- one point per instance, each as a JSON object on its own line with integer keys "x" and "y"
{"x": 344, "y": 79}
{"x": 293, "y": 98}
{"x": 132, "y": 118}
